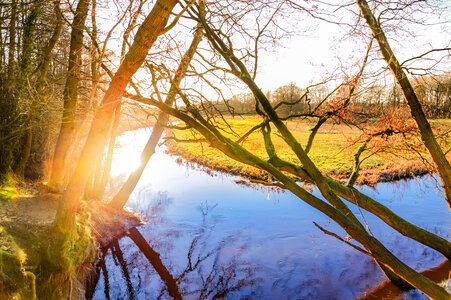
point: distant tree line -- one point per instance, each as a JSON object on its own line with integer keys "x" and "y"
{"x": 434, "y": 93}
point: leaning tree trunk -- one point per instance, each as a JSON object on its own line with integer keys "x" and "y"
{"x": 441, "y": 162}
{"x": 152, "y": 26}
{"x": 101, "y": 185}
{"x": 240, "y": 70}
{"x": 68, "y": 125}
{"x": 122, "y": 196}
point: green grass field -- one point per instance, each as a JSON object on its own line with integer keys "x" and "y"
{"x": 332, "y": 149}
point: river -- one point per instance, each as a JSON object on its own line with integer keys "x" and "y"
{"x": 207, "y": 237}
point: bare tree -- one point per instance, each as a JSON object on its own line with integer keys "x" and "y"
{"x": 441, "y": 162}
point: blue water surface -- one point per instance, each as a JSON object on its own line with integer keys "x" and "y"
{"x": 216, "y": 238}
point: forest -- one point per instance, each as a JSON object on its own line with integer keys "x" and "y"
{"x": 220, "y": 149}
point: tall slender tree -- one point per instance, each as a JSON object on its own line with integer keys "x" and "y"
{"x": 70, "y": 95}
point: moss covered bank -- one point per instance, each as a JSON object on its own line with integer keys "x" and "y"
{"x": 32, "y": 267}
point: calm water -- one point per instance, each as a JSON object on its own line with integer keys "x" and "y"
{"x": 207, "y": 237}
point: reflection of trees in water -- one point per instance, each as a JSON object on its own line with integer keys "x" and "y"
{"x": 387, "y": 290}
{"x": 150, "y": 205}
{"x": 210, "y": 272}
{"x": 208, "y": 266}
{"x": 154, "y": 258}
{"x": 117, "y": 255}
{"x": 324, "y": 277}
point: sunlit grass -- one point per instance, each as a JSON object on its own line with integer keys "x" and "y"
{"x": 332, "y": 150}
{"x": 8, "y": 193}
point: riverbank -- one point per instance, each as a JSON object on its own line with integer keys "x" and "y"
{"x": 368, "y": 176}
{"x": 332, "y": 151}
{"x": 29, "y": 266}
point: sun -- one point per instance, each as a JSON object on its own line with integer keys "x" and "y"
{"x": 127, "y": 152}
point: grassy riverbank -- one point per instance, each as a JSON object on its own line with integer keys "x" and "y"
{"x": 332, "y": 151}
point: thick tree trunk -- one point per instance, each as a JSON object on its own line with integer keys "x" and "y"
{"x": 68, "y": 125}
{"x": 441, "y": 162}
{"x": 144, "y": 39}
{"x": 122, "y": 196}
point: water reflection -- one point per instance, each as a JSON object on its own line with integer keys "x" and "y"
{"x": 388, "y": 290}
{"x": 209, "y": 273}
{"x": 220, "y": 239}
{"x": 154, "y": 259}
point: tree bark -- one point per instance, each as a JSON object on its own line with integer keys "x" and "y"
{"x": 382, "y": 212}
{"x": 68, "y": 125}
{"x": 8, "y": 102}
{"x": 127, "y": 188}
{"x": 38, "y": 145}
{"x": 144, "y": 39}
{"x": 25, "y": 149}
{"x": 441, "y": 162}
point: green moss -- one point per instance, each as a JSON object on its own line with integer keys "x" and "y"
{"x": 8, "y": 189}
{"x": 64, "y": 254}
{"x": 38, "y": 250}
{"x": 8, "y": 193}
{"x": 13, "y": 275}
{"x": 68, "y": 251}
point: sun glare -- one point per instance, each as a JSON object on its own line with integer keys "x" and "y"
{"x": 127, "y": 153}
